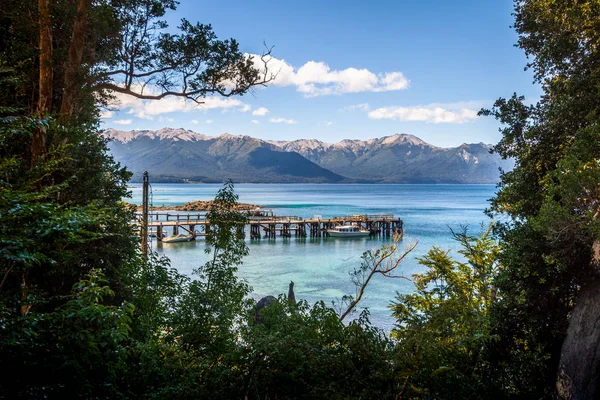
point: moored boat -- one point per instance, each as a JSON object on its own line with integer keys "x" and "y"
{"x": 348, "y": 231}
{"x": 178, "y": 238}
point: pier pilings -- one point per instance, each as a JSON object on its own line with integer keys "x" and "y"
{"x": 272, "y": 226}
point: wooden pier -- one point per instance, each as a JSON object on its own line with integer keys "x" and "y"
{"x": 267, "y": 225}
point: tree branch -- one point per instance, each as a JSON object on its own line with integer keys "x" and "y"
{"x": 374, "y": 267}
{"x": 224, "y": 73}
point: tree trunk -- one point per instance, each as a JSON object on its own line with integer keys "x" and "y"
{"x": 579, "y": 368}
{"x": 38, "y": 142}
{"x": 38, "y": 139}
{"x": 76, "y": 49}
{"x": 25, "y": 304}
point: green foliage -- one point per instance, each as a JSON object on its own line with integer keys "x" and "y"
{"x": 227, "y": 236}
{"x": 57, "y": 226}
{"x": 443, "y": 329}
{"x": 127, "y": 45}
{"x": 551, "y": 195}
{"x": 213, "y": 303}
{"x": 76, "y": 350}
{"x": 297, "y": 352}
{"x": 67, "y": 252}
{"x": 300, "y": 351}
{"x": 156, "y": 293}
{"x": 209, "y": 344}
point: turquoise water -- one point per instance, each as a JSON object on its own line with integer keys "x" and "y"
{"x": 319, "y": 267}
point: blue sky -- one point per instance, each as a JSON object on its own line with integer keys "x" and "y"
{"x": 356, "y": 70}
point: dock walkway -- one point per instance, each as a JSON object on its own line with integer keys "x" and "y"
{"x": 197, "y": 224}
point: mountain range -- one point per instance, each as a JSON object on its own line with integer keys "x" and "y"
{"x": 179, "y": 155}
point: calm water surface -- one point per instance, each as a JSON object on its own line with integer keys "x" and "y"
{"x": 320, "y": 267}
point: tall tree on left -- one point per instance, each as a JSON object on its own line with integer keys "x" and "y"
{"x": 60, "y": 60}
{"x": 63, "y": 224}
{"x": 44, "y": 106}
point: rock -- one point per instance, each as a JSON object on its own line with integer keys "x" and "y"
{"x": 202, "y": 205}
{"x": 579, "y": 367}
{"x": 262, "y": 303}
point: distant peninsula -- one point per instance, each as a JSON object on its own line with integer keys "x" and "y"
{"x": 197, "y": 205}
{"x": 180, "y": 156}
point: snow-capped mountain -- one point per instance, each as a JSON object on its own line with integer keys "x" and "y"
{"x": 179, "y": 154}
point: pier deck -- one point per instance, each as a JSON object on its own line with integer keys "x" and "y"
{"x": 271, "y": 225}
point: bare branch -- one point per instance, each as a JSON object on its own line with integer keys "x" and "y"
{"x": 378, "y": 262}
{"x": 190, "y": 64}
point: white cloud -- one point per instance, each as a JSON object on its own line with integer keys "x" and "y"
{"x": 123, "y": 121}
{"x": 194, "y": 121}
{"x": 328, "y": 123}
{"x": 148, "y": 109}
{"x": 283, "y": 121}
{"x": 209, "y": 121}
{"x": 140, "y": 113}
{"x": 255, "y": 121}
{"x": 361, "y": 107}
{"x": 106, "y": 114}
{"x": 318, "y": 79}
{"x": 176, "y": 104}
{"x": 260, "y": 112}
{"x": 432, "y": 113}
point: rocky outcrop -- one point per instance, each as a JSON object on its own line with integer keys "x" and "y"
{"x": 262, "y": 303}
{"x": 267, "y": 300}
{"x": 579, "y": 368}
{"x": 200, "y": 205}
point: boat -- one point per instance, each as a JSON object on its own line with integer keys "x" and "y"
{"x": 178, "y": 238}
{"x": 153, "y": 235}
{"x": 348, "y": 231}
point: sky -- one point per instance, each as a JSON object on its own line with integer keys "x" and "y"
{"x": 355, "y": 70}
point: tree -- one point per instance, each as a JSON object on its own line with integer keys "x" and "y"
{"x": 552, "y": 199}
{"x": 214, "y": 303}
{"x": 64, "y": 224}
{"x": 88, "y": 50}
{"x": 299, "y": 351}
{"x": 443, "y": 330}
{"x": 61, "y": 60}
{"x": 54, "y": 234}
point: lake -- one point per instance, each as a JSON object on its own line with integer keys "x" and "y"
{"x": 319, "y": 267}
